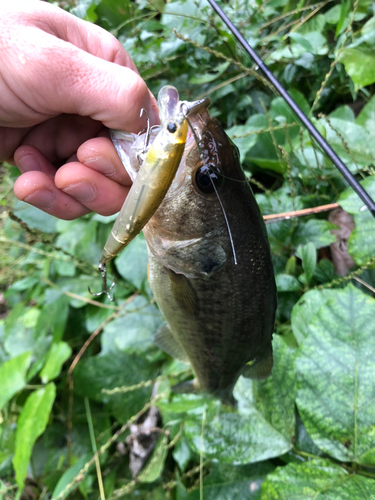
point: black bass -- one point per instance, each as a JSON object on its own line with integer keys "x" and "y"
{"x": 210, "y": 267}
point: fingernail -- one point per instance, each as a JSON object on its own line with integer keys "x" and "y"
{"x": 42, "y": 198}
{"x": 82, "y": 191}
{"x": 27, "y": 163}
{"x": 100, "y": 164}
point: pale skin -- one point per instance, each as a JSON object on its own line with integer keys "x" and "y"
{"x": 63, "y": 81}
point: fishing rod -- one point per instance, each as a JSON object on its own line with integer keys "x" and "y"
{"x": 341, "y": 167}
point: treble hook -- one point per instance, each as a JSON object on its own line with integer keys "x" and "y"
{"x": 103, "y": 273}
{"x": 148, "y": 130}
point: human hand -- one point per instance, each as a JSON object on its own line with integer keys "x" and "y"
{"x": 62, "y": 81}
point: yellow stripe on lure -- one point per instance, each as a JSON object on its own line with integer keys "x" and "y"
{"x": 154, "y": 177}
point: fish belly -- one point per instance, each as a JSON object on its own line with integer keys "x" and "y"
{"x": 221, "y": 323}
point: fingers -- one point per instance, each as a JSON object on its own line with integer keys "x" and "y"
{"x": 100, "y": 155}
{"x": 46, "y": 75}
{"x": 98, "y": 183}
{"x": 94, "y": 190}
{"x": 39, "y": 190}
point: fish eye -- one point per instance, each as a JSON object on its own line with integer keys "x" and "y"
{"x": 205, "y": 177}
{"x": 172, "y": 127}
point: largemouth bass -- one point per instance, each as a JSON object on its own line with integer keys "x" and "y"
{"x": 210, "y": 267}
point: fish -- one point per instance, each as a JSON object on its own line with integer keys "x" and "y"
{"x": 210, "y": 266}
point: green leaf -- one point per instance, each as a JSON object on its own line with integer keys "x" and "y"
{"x": 306, "y": 308}
{"x": 332, "y": 15}
{"x": 182, "y": 453}
{"x": 154, "y": 466}
{"x": 297, "y": 37}
{"x": 116, "y": 369}
{"x": 350, "y": 201}
{"x": 56, "y": 357}
{"x": 307, "y": 254}
{"x": 360, "y": 65}
{"x": 274, "y": 397}
{"x": 228, "y": 482}
{"x": 287, "y": 283}
{"x": 54, "y": 315}
{"x": 35, "y": 218}
{"x": 7, "y": 445}
{"x": 336, "y": 396}
{"x": 351, "y": 141}
{"x": 13, "y": 376}
{"x": 361, "y": 245}
{"x": 236, "y": 437}
{"x": 68, "y": 476}
{"x": 366, "y": 117}
{"x": 133, "y": 331}
{"x": 314, "y": 231}
{"x": 263, "y": 153}
{"x": 132, "y": 262}
{"x": 244, "y": 137}
{"x": 345, "y": 6}
{"x": 212, "y": 76}
{"x": 316, "y": 479}
{"x": 32, "y": 422}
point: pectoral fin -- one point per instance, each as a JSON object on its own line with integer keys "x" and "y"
{"x": 167, "y": 343}
{"x": 183, "y": 292}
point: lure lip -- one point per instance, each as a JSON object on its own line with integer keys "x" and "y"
{"x": 192, "y": 107}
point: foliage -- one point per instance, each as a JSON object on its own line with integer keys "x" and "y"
{"x": 307, "y": 431}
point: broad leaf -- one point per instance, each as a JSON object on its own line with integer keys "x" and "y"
{"x": 13, "y": 376}
{"x": 68, "y": 476}
{"x": 314, "y": 480}
{"x": 228, "y": 482}
{"x": 133, "y": 331}
{"x": 274, "y": 397}
{"x": 56, "y": 357}
{"x": 315, "y": 231}
{"x": 306, "y": 308}
{"x": 307, "y": 254}
{"x": 236, "y": 437}
{"x": 360, "y": 65}
{"x": 361, "y": 244}
{"x": 336, "y": 396}
{"x": 287, "y": 283}
{"x": 116, "y": 369}
{"x": 35, "y": 218}
{"x": 154, "y": 466}
{"x": 132, "y": 262}
{"x": 31, "y": 424}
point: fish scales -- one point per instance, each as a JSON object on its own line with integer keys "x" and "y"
{"x": 220, "y": 314}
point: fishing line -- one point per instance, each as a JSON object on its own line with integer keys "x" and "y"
{"x": 225, "y": 217}
{"x": 341, "y": 167}
{"x": 213, "y": 184}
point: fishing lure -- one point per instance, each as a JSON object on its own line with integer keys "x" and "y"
{"x": 157, "y": 163}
